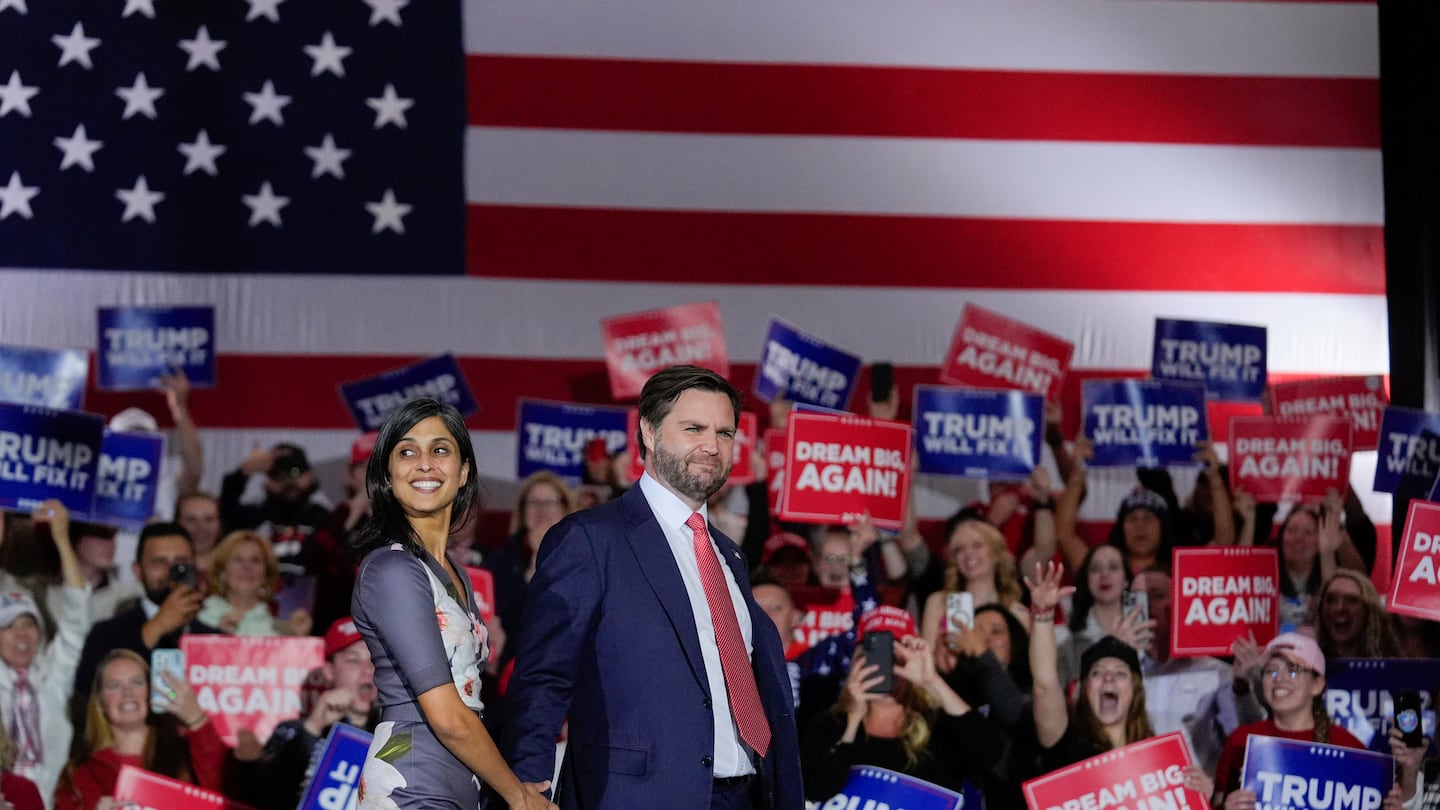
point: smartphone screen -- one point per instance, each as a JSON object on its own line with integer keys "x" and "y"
{"x": 880, "y": 651}
{"x": 1407, "y": 716}
{"x": 959, "y": 611}
{"x": 164, "y": 659}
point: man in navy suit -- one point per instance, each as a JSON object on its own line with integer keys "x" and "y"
{"x": 640, "y": 628}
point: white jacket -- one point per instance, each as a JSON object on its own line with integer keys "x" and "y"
{"x": 53, "y": 676}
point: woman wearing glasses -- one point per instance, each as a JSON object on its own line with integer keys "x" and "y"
{"x": 1292, "y": 677}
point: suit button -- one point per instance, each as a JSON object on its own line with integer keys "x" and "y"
{"x": 708, "y": 704}
{"x": 707, "y": 761}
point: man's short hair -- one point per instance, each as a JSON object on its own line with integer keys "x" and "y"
{"x": 161, "y": 529}
{"x": 660, "y": 392}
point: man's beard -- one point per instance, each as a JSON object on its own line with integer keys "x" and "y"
{"x": 671, "y": 469}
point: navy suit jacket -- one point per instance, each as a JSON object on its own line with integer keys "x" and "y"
{"x": 609, "y": 640}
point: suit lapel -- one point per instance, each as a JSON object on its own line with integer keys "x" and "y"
{"x": 657, "y": 564}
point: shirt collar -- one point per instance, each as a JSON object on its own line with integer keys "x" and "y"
{"x": 667, "y": 506}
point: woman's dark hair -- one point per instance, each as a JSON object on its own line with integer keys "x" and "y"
{"x": 387, "y": 522}
{"x": 1083, "y": 599}
{"x": 1019, "y": 668}
{"x": 1314, "y": 582}
{"x": 1163, "y": 551}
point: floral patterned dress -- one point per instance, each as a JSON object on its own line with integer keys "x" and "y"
{"x": 421, "y": 635}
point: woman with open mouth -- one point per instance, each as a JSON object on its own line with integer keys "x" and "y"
{"x": 1109, "y": 710}
{"x": 1352, "y": 622}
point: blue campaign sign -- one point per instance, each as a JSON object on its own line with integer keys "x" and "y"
{"x": 877, "y": 787}
{"x": 553, "y": 436}
{"x": 47, "y": 453}
{"x": 1409, "y": 451}
{"x": 54, "y": 378}
{"x": 1293, "y": 775}
{"x": 1228, "y": 359}
{"x": 1144, "y": 423}
{"x": 978, "y": 433}
{"x": 1359, "y": 696}
{"x": 128, "y": 477}
{"x": 805, "y": 368}
{"x": 336, "y": 776}
{"x": 372, "y": 399}
{"x": 138, "y": 344}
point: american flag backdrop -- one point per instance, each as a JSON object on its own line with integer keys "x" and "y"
{"x": 492, "y": 178}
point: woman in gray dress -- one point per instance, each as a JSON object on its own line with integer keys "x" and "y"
{"x": 416, "y": 610}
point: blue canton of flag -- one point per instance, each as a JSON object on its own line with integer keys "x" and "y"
{"x": 258, "y": 136}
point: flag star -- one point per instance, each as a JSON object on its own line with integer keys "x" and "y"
{"x": 139, "y": 97}
{"x": 79, "y": 150}
{"x": 327, "y": 56}
{"x": 76, "y": 47}
{"x": 328, "y": 158}
{"x": 203, "y": 50}
{"x": 389, "y": 108}
{"x": 139, "y": 201}
{"x": 266, "y": 104}
{"x": 386, "y": 11}
{"x": 265, "y": 206}
{"x": 19, "y": 5}
{"x": 269, "y": 9}
{"x": 200, "y": 154}
{"x": 16, "y": 96}
{"x": 146, "y": 7}
{"x": 388, "y": 213}
{"x": 15, "y": 198}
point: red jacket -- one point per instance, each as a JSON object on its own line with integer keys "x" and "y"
{"x": 95, "y": 778}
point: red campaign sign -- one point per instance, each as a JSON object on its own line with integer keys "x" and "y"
{"x": 742, "y": 468}
{"x": 992, "y": 351}
{"x": 638, "y": 345}
{"x": 1284, "y": 460}
{"x": 836, "y": 467}
{"x": 1362, "y": 399}
{"x": 139, "y": 788}
{"x": 483, "y": 583}
{"x": 827, "y": 612}
{"x": 774, "y": 440}
{"x": 1140, "y": 776}
{"x": 1221, "y": 594}
{"x": 1412, "y": 588}
{"x": 249, "y": 682}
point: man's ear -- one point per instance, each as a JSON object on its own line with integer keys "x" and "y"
{"x": 647, "y": 437}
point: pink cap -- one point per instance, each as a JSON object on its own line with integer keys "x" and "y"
{"x": 1298, "y": 649}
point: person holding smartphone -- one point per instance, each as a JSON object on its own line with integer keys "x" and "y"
{"x": 918, "y": 726}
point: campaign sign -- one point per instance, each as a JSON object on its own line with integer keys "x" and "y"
{"x": 824, "y": 612}
{"x": 483, "y": 583}
{"x": 128, "y": 478}
{"x": 805, "y": 368}
{"x": 1409, "y": 450}
{"x": 837, "y": 467}
{"x": 54, "y": 378}
{"x": 1143, "y": 423}
{"x": 638, "y": 345}
{"x": 775, "y": 444}
{"x": 978, "y": 434}
{"x": 872, "y": 787}
{"x": 1228, "y": 359}
{"x": 372, "y": 399}
{"x": 1413, "y": 590}
{"x": 140, "y": 789}
{"x": 1220, "y": 595}
{"x": 138, "y": 344}
{"x": 553, "y": 436}
{"x": 335, "y": 777}
{"x": 1359, "y": 696}
{"x": 45, "y": 453}
{"x": 742, "y": 461}
{"x": 1294, "y": 775}
{"x": 992, "y": 351}
{"x": 1289, "y": 459}
{"x": 1147, "y": 775}
{"x": 1362, "y": 399}
{"x": 248, "y": 681}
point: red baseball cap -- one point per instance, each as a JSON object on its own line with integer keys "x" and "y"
{"x": 362, "y": 448}
{"x": 340, "y": 635}
{"x": 886, "y": 617}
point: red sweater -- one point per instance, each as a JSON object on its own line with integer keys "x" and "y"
{"x": 20, "y": 792}
{"x": 1232, "y": 756}
{"x": 95, "y": 778}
